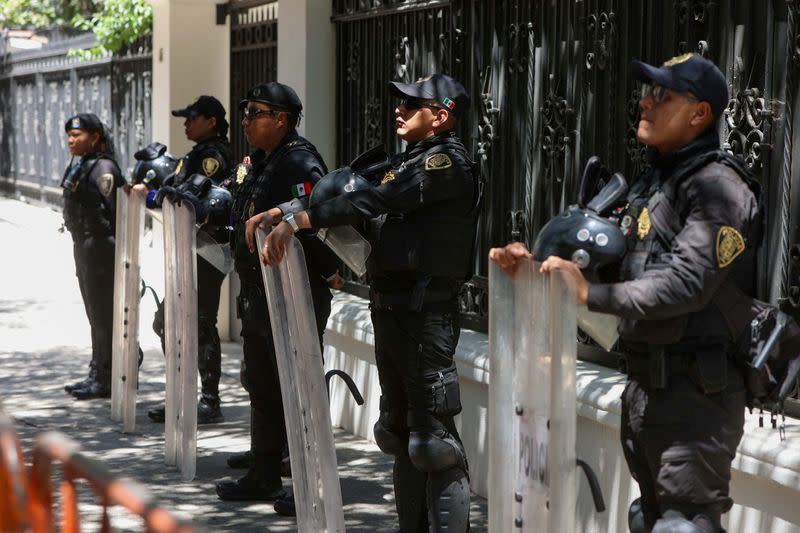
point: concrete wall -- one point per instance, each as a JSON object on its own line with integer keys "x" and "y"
{"x": 766, "y": 477}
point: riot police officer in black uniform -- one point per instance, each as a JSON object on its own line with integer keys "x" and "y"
{"x": 90, "y": 189}
{"x": 692, "y": 226}
{"x": 422, "y": 219}
{"x": 207, "y": 164}
{"x": 284, "y": 166}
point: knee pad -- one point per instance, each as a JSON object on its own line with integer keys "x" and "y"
{"x": 676, "y": 522}
{"x": 636, "y": 521}
{"x": 388, "y": 440}
{"x": 448, "y": 501}
{"x": 435, "y": 452}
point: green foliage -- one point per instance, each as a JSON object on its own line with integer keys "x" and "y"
{"x": 116, "y": 23}
{"x": 26, "y": 13}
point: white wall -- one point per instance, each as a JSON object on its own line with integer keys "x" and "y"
{"x": 191, "y": 57}
{"x": 306, "y": 62}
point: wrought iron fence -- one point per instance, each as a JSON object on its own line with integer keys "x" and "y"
{"x": 254, "y": 56}
{"x": 550, "y": 87}
{"x": 40, "y": 89}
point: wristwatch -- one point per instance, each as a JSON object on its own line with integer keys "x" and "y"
{"x": 289, "y": 217}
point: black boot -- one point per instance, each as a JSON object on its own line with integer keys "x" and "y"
{"x": 82, "y": 384}
{"x": 92, "y": 390}
{"x": 285, "y": 506}
{"x": 158, "y": 414}
{"x": 262, "y": 482}
{"x": 241, "y": 460}
{"x": 208, "y": 410}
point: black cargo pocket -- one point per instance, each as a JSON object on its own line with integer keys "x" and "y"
{"x": 710, "y": 369}
{"x": 444, "y": 392}
{"x": 678, "y": 478}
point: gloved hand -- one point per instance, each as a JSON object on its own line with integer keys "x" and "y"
{"x": 177, "y": 196}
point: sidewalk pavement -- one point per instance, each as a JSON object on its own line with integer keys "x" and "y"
{"x": 46, "y": 344}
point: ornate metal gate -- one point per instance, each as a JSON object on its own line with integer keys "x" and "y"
{"x": 254, "y": 56}
{"x": 39, "y": 89}
{"x": 550, "y": 87}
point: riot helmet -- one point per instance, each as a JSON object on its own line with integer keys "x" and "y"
{"x": 336, "y": 183}
{"x": 153, "y": 165}
{"x": 219, "y": 203}
{"x": 585, "y": 236}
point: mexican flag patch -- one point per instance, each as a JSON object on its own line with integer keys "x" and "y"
{"x": 301, "y": 189}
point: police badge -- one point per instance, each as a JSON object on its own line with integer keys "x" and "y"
{"x": 241, "y": 173}
{"x": 644, "y": 225}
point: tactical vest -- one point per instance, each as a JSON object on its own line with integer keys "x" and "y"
{"x": 657, "y": 206}
{"x": 252, "y": 196}
{"x": 425, "y": 255}
{"x": 85, "y": 213}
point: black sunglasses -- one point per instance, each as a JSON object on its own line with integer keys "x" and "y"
{"x": 252, "y": 113}
{"x": 660, "y": 93}
{"x": 416, "y": 103}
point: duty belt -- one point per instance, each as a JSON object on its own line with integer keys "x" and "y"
{"x": 656, "y": 366}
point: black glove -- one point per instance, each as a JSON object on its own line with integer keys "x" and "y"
{"x": 177, "y": 196}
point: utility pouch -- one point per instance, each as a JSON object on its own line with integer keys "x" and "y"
{"x": 709, "y": 371}
{"x": 445, "y": 394}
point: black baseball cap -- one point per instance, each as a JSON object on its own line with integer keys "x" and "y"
{"x": 275, "y": 95}
{"x": 440, "y": 87}
{"x": 688, "y": 73}
{"x": 84, "y": 121}
{"x": 208, "y": 106}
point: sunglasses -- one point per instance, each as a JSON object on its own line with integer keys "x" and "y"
{"x": 660, "y": 93}
{"x": 416, "y": 103}
{"x": 252, "y": 113}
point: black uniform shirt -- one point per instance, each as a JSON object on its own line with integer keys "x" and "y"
{"x": 715, "y": 212}
{"x": 91, "y": 194}
{"x": 289, "y": 171}
{"x": 412, "y": 185}
{"x": 211, "y": 158}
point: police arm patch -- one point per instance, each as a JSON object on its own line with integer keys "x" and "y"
{"x": 105, "y": 184}
{"x": 438, "y": 162}
{"x": 730, "y": 245}
{"x": 210, "y": 166}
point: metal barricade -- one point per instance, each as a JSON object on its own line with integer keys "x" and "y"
{"x": 315, "y": 478}
{"x": 180, "y": 329}
{"x": 127, "y": 279}
{"x": 532, "y": 401}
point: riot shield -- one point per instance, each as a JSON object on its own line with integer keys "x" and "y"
{"x": 127, "y": 276}
{"x": 532, "y": 416}
{"x": 315, "y": 478}
{"x": 180, "y": 341}
{"x": 349, "y": 245}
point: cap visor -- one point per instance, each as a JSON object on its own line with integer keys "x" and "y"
{"x": 182, "y": 113}
{"x": 413, "y": 90}
{"x": 662, "y": 76}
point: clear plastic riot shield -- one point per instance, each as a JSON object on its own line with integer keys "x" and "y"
{"x": 532, "y": 416}
{"x": 349, "y": 245}
{"x": 315, "y": 478}
{"x": 180, "y": 341}
{"x": 127, "y": 277}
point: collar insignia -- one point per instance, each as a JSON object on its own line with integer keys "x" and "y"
{"x": 644, "y": 224}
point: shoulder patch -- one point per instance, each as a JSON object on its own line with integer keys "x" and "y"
{"x": 241, "y": 172}
{"x": 210, "y": 166}
{"x": 105, "y": 184}
{"x": 438, "y": 162}
{"x": 730, "y": 245}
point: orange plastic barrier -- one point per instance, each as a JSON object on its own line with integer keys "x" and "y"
{"x": 13, "y": 482}
{"x": 27, "y": 503}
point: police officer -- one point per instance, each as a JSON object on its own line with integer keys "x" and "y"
{"x": 692, "y": 228}
{"x": 90, "y": 185}
{"x": 283, "y": 167}
{"x": 422, "y": 218}
{"x": 209, "y": 162}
